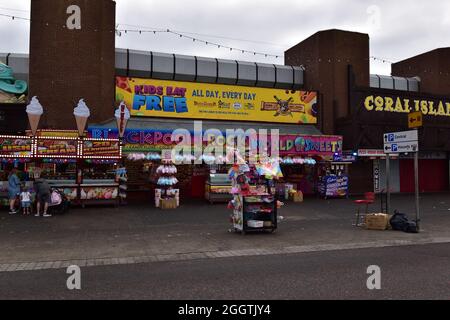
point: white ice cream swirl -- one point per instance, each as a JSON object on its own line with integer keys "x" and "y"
{"x": 82, "y": 110}
{"x": 35, "y": 108}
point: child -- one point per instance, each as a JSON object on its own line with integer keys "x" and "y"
{"x": 25, "y": 198}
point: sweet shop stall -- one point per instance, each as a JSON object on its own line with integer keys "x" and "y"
{"x": 304, "y": 162}
{"x": 254, "y": 205}
{"x": 85, "y": 170}
{"x": 15, "y": 152}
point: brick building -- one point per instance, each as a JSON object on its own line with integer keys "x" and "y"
{"x": 67, "y": 65}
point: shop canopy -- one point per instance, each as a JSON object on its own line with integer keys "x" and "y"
{"x": 171, "y": 124}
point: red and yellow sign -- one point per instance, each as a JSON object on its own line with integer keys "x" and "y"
{"x": 174, "y": 99}
{"x": 15, "y": 147}
{"x": 57, "y": 148}
{"x": 100, "y": 148}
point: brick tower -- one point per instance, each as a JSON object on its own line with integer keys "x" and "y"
{"x": 326, "y": 56}
{"x": 67, "y": 64}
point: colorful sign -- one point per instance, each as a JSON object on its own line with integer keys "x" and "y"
{"x": 100, "y": 148}
{"x": 310, "y": 145}
{"x": 334, "y": 186}
{"x": 174, "y": 99}
{"x": 137, "y": 140}
{"x": 154, "y": 141}
{"x": 431, "y": 107}
{"x": 15, "y": 147}
{"x": 57, "y": 148}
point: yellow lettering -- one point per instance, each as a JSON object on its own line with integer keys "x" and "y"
{"x": 369, "y": 103}
{"x": 398, "y": 105}
{"x": 441, "y": 109}
{"x": 424, "y": 107}
{"x": 448, "y": 108}
{"x": 379, "y": 103}
{"x": 407, "y": 107}
{"x": 431, "y": 110}
{"x": 388, "y": 103}
{"x": 417, "y": 105}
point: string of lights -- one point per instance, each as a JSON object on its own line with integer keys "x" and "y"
{"x": 383, "y": 60}
{"x": 186, "y": 35}
{"x": 194, "y": 39}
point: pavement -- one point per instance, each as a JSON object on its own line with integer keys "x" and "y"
{"x": 139, "y": 234}
{"x": 406, "y": 272}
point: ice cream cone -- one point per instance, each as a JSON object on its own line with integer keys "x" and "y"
{"x": 81, "y": 124}
{"x": 122, "y": 124}
{"x": 34, "y": 122}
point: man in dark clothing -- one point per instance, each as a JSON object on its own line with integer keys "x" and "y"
{"x": 42, "y": 189}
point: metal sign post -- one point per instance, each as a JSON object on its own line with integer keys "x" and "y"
{"x": 388, "y": 187}
{"x": 399, "y": 142}
{"x": 416, "y": 181}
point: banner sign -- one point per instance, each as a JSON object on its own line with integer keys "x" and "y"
{"x": 431, "y": 107}
{"x": 15, "y": 147}
{"x": 57, "y": 148}
{"x": 100, "y": 148}
{"x": 157, "y": 140}
{"x": 137, "y": 140}
{"x": 188, "y": 100}
{"x": 310, "y": 145}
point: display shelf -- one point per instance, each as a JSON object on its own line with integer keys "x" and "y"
{"x": 243, "y": 213}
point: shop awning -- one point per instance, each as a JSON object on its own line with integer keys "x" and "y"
{"x": 172, "y": 124}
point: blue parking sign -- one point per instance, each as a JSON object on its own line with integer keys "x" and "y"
{"x": 394, "y": 148}
{"x": 391, "y": 137}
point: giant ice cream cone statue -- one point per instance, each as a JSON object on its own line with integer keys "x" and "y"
{"x": 34, "y": 111}
{"x": 122, "y": 116}
{"x": 81, "y": 113}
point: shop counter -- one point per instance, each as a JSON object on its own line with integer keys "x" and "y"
{"x": 99, "y": 192}
{"x": 218, "y": 188}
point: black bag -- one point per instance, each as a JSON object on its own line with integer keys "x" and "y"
{"x": 400, "y": 222}
{"x": 411, "y": 227}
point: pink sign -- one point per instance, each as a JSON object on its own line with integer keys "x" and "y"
{"x": 310, "y": 145}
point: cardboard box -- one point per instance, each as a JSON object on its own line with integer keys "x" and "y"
{"x": 268, "y": 224}
{"x": 297, "y": 197}
{"x": 168, "y": 204}
{"x": 377, "y": 221}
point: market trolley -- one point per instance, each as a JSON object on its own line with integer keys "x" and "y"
{"x": 255, "y": 213}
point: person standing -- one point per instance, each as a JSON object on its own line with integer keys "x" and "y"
{"x": 25, "y": 199}
{"x": 13, "y": 190}
{"x": 42, "y": 189}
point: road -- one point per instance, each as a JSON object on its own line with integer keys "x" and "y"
{"x": 407, "y": 272}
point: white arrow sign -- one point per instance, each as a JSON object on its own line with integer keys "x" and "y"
{"x": 401, "y": 147}
{"x": 406, "y": 136}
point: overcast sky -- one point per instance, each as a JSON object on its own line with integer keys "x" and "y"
{"x": 397, "y": 29}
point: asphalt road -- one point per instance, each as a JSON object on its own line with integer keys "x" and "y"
{"x": 409, "y": 272}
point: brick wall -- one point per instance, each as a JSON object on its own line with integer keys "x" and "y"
{"x": 432, "y": 67}
{"x": 66, "y": 65}
{"x": 326, "y": 56}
